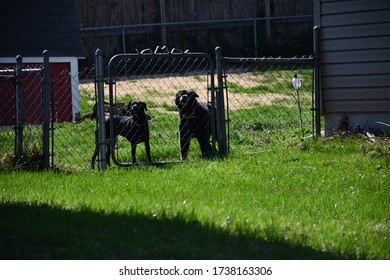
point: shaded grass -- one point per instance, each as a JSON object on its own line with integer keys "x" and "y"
{"x": 318, "y": 200}
{"x": 129, "y": 237}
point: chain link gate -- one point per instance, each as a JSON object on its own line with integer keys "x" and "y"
{"x": 154, "y": 78}
{"x": 257, "y": 102}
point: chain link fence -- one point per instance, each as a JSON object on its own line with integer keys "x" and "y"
{"x": 21, "y": 130}
{"x": 7, "y": 118}
{"x": 262, "y": 105}
{"x": 153, "y": 80}
{"x": 268, "y": 101}
{"x": 74, "y": 141}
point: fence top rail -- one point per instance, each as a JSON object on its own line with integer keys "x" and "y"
{"x": 7, "y": 76}
{"x": 160, "y": 52}
{"x": 12, "y": 71}
{"x": 296, "y": 60}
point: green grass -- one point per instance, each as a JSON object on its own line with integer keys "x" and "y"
{"x": 271, "y": 81}
{"x": 263, "y": 125}
{"x": 170, "y": 107}
{"x": 270, "y": 199}
{"x": 200, "y": 78}
{"x": 87, "y": 100}
{"x": 318, "y": 200}
{"x": 237, "y": 88}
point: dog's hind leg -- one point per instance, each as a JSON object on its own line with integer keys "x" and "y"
{"x": 94, "y": 156}
{"x": 205, "y": 147}
{"x": 108, "y": 155}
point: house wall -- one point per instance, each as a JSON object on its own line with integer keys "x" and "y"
{"x": 355, "y": 62}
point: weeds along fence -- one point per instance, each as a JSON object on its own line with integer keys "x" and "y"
{"x": 260, "y": 105}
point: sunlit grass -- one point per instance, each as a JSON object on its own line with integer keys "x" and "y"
{"x": 327, "y": 196}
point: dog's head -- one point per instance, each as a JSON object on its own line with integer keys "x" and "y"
{"x": 185, "y": 100}
{"x": 137, "y": 107}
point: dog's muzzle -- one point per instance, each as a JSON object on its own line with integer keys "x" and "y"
{"x": 184, "y": 99}
{"x": 135, "y": 108}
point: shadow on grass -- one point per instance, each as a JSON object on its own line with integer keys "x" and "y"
{"x": 43, "y": 232}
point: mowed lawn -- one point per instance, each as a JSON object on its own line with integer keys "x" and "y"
{"x": 324, "y": 199}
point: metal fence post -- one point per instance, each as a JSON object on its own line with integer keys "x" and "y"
{"x": 220, "y": 104}
{"x": 46, "y": 110}
{"x": 317, "y": 79}
{"x": 102, "y": 163}
{"x": 19, "y": 108}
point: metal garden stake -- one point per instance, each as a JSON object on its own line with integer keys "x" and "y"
{"x": 297, "y": 84}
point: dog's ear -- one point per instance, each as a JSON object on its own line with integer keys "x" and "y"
{"x": 144, "y": 106}
{"x": 193, "y": 94}
{"x": 129, "y": 106}
{"x": 180, "y": 93}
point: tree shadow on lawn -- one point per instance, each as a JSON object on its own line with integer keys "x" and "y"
{"x": 44, "y": 232}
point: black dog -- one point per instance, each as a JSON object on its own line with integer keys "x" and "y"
{"x": 194, "y": 122}
{"x": 134, "y": 128}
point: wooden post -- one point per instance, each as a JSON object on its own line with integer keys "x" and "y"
{"x": 268, "y": 20}
{"x": 163, "y": 26}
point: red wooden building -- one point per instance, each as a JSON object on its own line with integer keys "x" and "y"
{"x": 27, "y": 28}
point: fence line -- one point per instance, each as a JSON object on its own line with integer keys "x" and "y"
{"x": 259, "y": 36}
{"x": 260, "y": 102}
{"x": 254, "y": 98}
{"x": 20, "y": 112}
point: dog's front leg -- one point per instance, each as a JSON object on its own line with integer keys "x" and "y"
{"x": 133, "y": 151}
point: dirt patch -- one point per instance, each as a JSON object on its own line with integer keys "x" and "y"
{"x": 162, "y": 91}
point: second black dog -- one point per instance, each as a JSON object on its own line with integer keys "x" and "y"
{"x": 134, "y": 128}
{"x": 194, "y": 122}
